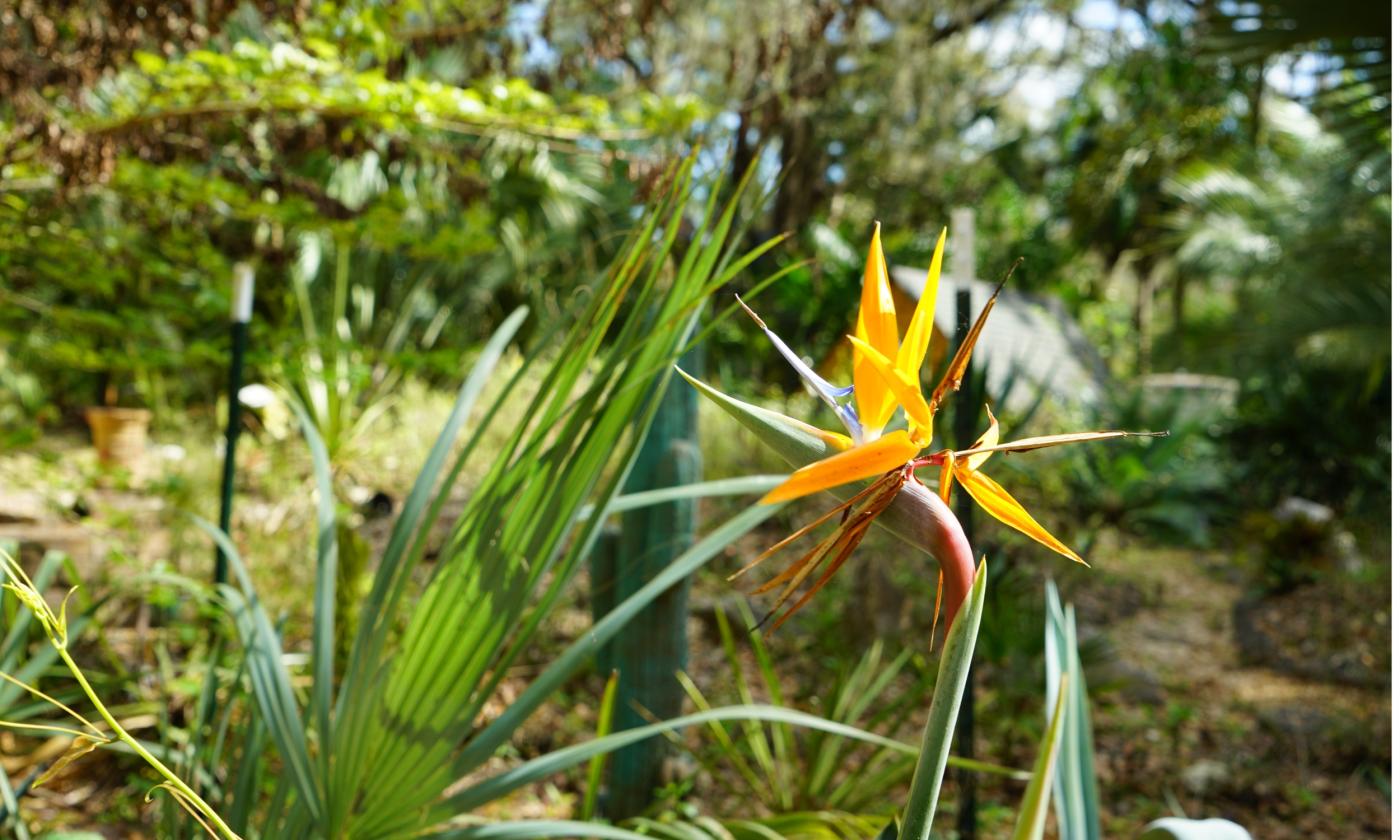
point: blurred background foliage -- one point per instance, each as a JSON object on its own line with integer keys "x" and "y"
{"x": 1204, "y": 184}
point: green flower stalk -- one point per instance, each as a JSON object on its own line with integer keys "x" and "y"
{"x": 56, "y": 628}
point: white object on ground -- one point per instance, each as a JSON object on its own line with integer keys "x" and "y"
{"x": 1176, "y": 828}
{"x": 257, "y": 396}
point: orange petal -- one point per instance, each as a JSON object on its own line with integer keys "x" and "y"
{"x": 905, "y": 389}
{"x": 914, "y": 347}
{"x": 945, "y": 476}
{"x": 988, "y": 438}
{"x": 994, "y": 499}
{"x": 835, "y": 440}
{"x": 877, "y": 325}
{"x": 871, "y": 459}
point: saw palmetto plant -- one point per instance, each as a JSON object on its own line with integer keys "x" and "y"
{"x": 380, "y": 746}
{"x": 1348, "y": 74}
{"x": 373, "y": 750}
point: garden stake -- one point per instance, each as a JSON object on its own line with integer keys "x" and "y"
{"x": 241, "y": 315}
{"x": 964, "y": 428}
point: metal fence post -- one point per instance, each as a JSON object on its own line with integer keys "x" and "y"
{"x": 964, "y": 430}
{"x": 652, "y": 648}
{"x": 241, "y": 315}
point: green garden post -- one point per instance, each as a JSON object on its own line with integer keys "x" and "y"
{"x": 652, "y": 648}
{"x": 242, "y": 314}
{"x": 964, "y": 430}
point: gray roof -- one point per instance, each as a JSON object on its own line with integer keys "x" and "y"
{"x": 1028, "y": 338}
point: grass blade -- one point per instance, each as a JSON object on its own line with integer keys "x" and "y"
{"x": 595, "y": 764}
{"x": 738, "y": 761}
{"x": 754, "y": 734}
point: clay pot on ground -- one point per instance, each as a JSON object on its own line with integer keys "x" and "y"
{"x": 119, "y": 435}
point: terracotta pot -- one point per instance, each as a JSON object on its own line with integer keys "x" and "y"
{"x": 119, "y": 435}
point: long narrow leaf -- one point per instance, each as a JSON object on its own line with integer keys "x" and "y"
{"x": 531, "y": 829}
{"x": 737, "y": 759}
{"x": 595, "y": 764}
{"x": 323, "y": 607}
{"x": 943, "y": 713}
{"x": 577, "y": 654}
{"x": 755, "y": 736}
{"x": 390, "y": 571}
{"x": 272, "y": 685}
{"x": 361, "y": 687}
{"x": 744, "y": 485}
{"x": 1075, "y": 789}
{"x": 1035, "y": 802}
{"x": 563, "y": 759}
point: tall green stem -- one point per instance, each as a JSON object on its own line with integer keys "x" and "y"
{"x": 174, "y": 781}
{"x": 953, "y": 667}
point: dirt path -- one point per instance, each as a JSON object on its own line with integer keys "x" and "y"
{"x": 1195, "y": 728}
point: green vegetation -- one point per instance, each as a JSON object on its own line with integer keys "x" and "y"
{"x": 483, "y": 235}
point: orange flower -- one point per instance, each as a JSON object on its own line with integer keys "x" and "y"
{"x": 885, "y": 376}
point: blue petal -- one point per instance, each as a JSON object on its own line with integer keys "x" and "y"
{"x": 829, "y": 393}
{"x": 847, "y": 413}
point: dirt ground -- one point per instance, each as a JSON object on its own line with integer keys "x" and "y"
{"x": 1193, "y": 725}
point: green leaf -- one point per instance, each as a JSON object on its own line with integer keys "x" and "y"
{"x": 1035, "y": 802}
{"x": 362, "y": 684}
{"x": 595, "y": 764}
{"x": 562, "y": 759}
{"x": 1076, "y": 790}
{"x": 323, "y": 602}
{"x": 583, "y": 648}
{"x": 392, "y": 574}
{"x": 530, "y": 829}
{"x": 272, "y": 685}
{"x": 796, "y": 442}
{"x": 148, "y": 62}
{"x": 953, "y": 668}
{"x": 705, "y": 489}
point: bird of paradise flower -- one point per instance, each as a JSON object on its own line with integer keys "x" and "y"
{"x": 886, "y": 376}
